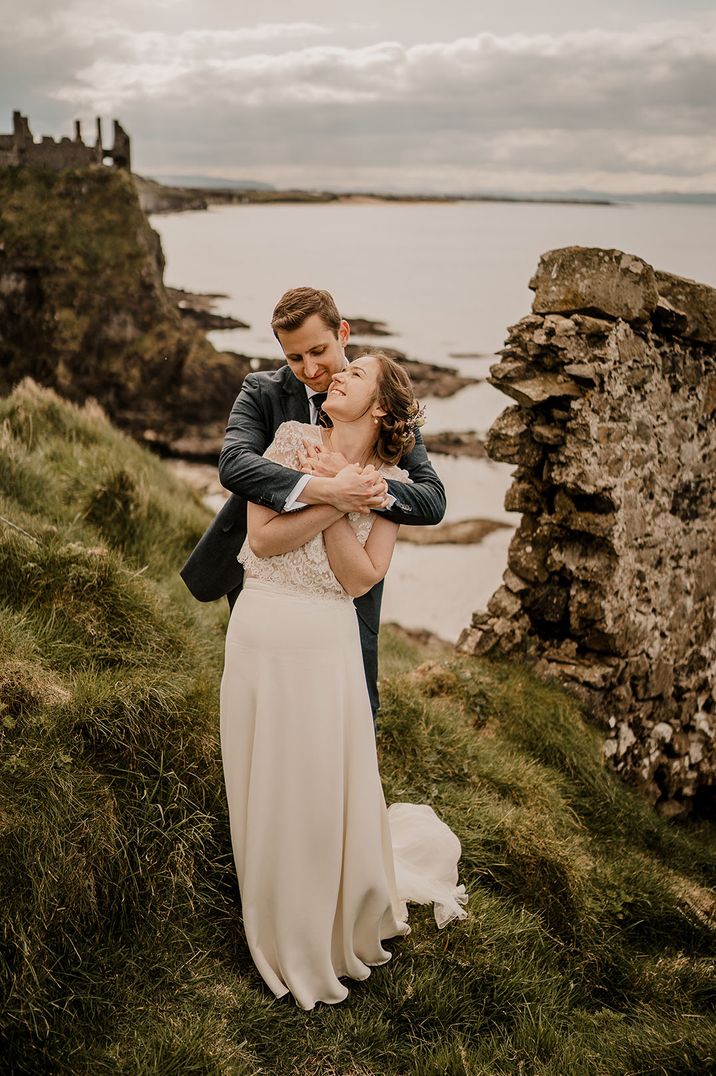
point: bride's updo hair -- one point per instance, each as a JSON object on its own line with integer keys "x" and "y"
{"x": 403, "y": 414}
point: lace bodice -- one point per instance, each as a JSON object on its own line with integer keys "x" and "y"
{"x": 306, "y": 570}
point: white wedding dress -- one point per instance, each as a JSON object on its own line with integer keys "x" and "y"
{"x": 324, "y": 868}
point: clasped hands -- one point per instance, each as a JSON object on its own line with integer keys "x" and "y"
{"x": 353, "y": 488}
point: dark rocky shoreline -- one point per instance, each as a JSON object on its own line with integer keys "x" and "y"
{"x": 203, "y": 444}
{"x": 198, "y": 308}
{"x": 467, "y": 443}
{"x": 460, "y": 532}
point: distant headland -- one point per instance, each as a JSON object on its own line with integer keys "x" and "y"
{"x": 158, "y": 197}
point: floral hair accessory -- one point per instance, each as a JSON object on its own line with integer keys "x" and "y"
{"x": 417, "y": 418}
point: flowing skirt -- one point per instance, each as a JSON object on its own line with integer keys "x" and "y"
{"x": 324, "y": 868}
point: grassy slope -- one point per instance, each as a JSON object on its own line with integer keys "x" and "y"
{"x": 589, "y": 947}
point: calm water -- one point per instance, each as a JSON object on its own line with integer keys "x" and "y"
{"x": 447, "y": 280}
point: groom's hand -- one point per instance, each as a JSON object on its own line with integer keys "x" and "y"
{"x": 317, "y": 460}
{"x": 363, "y": 488}
{"x": 353, "y": 489}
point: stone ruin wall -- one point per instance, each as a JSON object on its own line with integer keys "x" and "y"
{"x": 611, "y": 578}
{"x": 20, "y": 148}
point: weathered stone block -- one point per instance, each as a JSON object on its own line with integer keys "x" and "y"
{"x": 667, "y": 319}
{"x": 589, "y": 326}
{"x": 560, "y": 326}
{"x": 522, "y": 497}
{"x": 570, "y": 516}
{"x": 548, "y": 435}
{"x": 589, "y": 279}
{"x": 504, "y": 603}
{"x": 586, "y": 608}
{"x": 509, "y": 440}
{"x": 588, "y": 672}
{"x": 708, "y": 388}
{"x": 612, "y": 433}
{"x": 522, "y": 328}
{"x": 508, "y": 370}
{"x": 514, "y": 582}
{"x": 538, "y": 389}
{"x": 581, "y": 371}
{"x": 547, "y": 605}
{"x": 697, "y": 302}
{"x": 660, "y": 679}
{"x": 637, "y": 377}
{"x": 530, "y": 547}
{"x": 477, "y": 641}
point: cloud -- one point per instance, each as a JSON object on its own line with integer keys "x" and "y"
{"x": 596, "y": 106}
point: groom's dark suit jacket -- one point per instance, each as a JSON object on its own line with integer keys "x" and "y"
{"x": 265, "y": 401}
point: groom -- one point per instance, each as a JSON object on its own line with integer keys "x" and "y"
{"x": 312, "y": 335}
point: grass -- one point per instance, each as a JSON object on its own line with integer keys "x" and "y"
{"x": 590, "y": 946}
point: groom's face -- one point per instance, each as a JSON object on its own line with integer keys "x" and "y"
{"x": 313, "y": 351}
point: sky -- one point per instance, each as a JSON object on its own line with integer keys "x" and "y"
{"x": 459, "y": 96}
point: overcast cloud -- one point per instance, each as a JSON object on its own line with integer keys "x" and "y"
{"x": 382, "y": 102}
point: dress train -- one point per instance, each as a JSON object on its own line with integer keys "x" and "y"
{"x": 325, "y": 870}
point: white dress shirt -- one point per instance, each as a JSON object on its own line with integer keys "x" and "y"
{"x": 292, "y": 501}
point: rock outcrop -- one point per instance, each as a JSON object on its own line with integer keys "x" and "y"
{"x": 84, "y": 311}
{"x": 611, "y": 578}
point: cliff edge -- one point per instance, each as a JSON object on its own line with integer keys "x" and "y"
{"x": 83, "y": 308}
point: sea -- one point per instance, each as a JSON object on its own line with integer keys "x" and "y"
{"x": 446, "y": 279}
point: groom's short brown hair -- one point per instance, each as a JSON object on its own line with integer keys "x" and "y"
{"x": 297, "y": 304}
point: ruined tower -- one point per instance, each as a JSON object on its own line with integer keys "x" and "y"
{"x": 21, "y": 148}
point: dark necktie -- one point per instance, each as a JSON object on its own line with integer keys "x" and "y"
{"x": 318, "y": 399}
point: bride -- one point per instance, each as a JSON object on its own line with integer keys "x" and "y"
{"x": 324, "y": 867}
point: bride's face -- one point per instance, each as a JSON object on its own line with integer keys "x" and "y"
{"x": 352, "y": 392}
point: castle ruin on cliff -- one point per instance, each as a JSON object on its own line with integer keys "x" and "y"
{"x": 20, "y": 148}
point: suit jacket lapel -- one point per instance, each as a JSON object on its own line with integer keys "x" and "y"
{"x": 294, "y": 400}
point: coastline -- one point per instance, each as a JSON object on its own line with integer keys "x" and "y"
{"x": 429, "y": 379}
{"x": 157, "y": 198}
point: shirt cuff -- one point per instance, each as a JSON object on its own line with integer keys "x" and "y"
{"x": 292, "y": 502}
